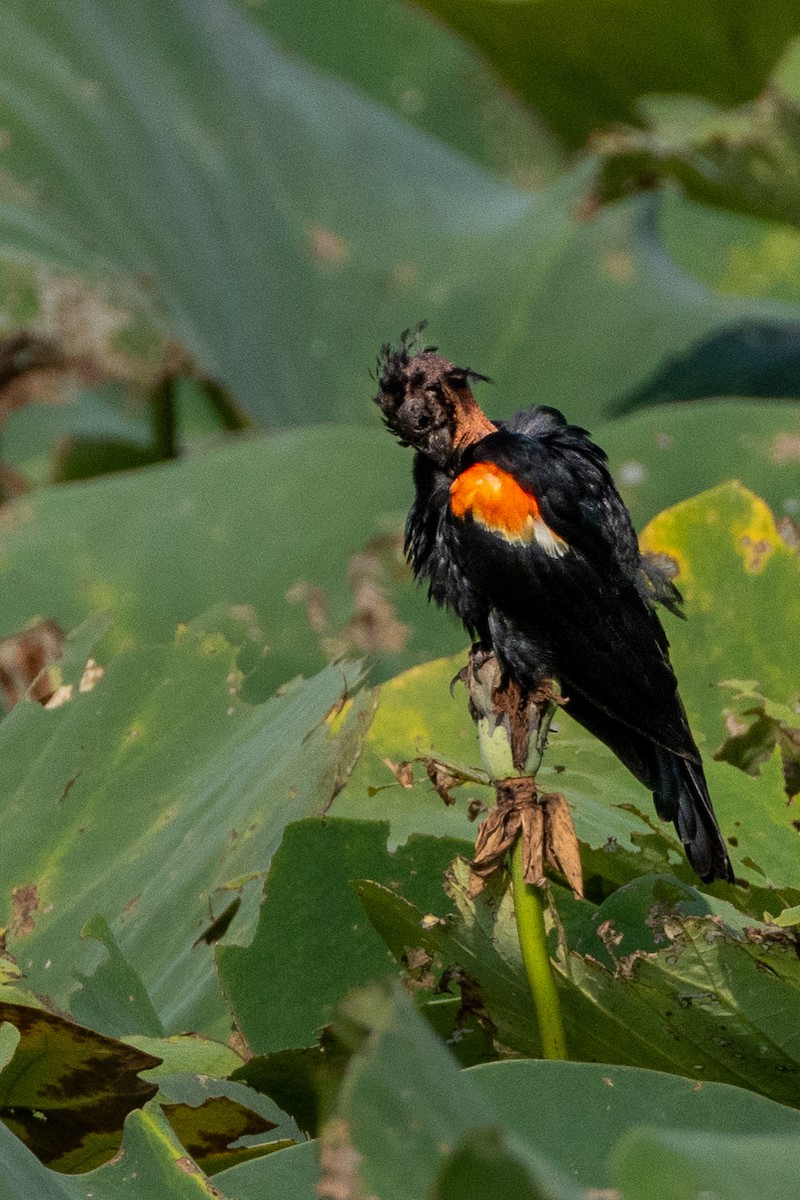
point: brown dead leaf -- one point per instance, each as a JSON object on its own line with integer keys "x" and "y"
{"x": 442, "y": 779}
{"x": 12, "y": 482}
{"x": 403, "y": 772}
{"x": 315, "y": 601}
{"x": 23, "y": 658}
{"x": 501, "y": 828}
{"x": 92, "y": 674}
{"x": 26, "y": 359}
{"x": 374, "y": 627}
{"x": 561, "y": 843}
{"x": 24, "y": 903}
{"x": 756, "y": 553}
{"x": 544, "y": 823}
{"x": 734, "y": 723}
{"x": 418, "y": 964}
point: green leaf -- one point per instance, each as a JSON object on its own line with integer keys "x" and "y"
{"x": 698, "y": 995}
{"x": 252, "y": 166}
{"x": 788, "y": 917}
{"x": 605, "y": 1102}
{"x": 738, "y": 255}
{"x": 67, "y": 1090}
{"x": 113, "y": 998}
{"x": 209, "y": 1115}
{"x": 653, "y": 454}
{"x": 481, "y": 942}
{"x": 404, "y": 1107}
{"x": 751, "y": 743}
{"x": 400, "y": 58}
{"x": 152, "y": 1160}
{"x": 585, "y": 65}
{"x": 267, "y": 159}
{"x": 157, "y": 779}
{"x": 692, "y": 1164}
{"x": 240, "y": 526}
{"x": 313, "y": 941}
{"x": 744, "y": 160}
{"x": 300, "y": 1081}
{"x": 189, "y": 1053}
{"x": 740, "y": 582}
{"x": 290, "y": 1174}
{"x": 483, "y": 1166}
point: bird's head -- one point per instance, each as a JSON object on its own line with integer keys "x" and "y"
{"x": 427, "y": 401}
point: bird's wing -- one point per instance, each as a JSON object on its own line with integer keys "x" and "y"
{"x": 583, "y": 607}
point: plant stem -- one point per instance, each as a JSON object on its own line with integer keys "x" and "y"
{"x": 497, "y": 757}
{"x": 529, "y": 914}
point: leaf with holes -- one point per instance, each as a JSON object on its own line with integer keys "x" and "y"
{"x": 67, "y": 1090}
{"x": 166, "y": 794}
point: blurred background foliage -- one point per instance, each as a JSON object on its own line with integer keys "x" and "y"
{"x": 212, "y": 214}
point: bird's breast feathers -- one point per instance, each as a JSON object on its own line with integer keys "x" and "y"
{"x": 500, "y": 505}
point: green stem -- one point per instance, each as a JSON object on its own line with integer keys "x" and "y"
{"x": 495, "y": 749}
{"x": 529, "y": 914}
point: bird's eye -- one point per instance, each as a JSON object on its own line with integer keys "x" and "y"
{"x": 423, "y": 422}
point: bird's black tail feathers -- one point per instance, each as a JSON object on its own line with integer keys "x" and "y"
{"x": 681, "y": 796}
{"x": 677, "y": 783}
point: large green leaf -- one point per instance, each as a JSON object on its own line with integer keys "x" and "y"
{"x": 732, "y": 253}
{"x": 273, "y": 523}
{"x": 733, "y": 569}
{"x": 605, "y": 1102}
{"x": 740, "y": 581}
{"x": 691, "y": 992}
{"x": 403, "y": 1108}
{"x": 654, "y": 455}
{"x": 149, "y": 793}
{"x": 152, "y": 1160}
{"x": 744, "y": 160}
{"x": 222, "y": 1123}
{"x": 690, "y": 1164}
{"x": 113, "y": 998}
{"x": 313, "y": 942}
{"x": 529, "y": 1099}
{"x": 414, "y": 66}
{"x": 67, "y": 1090}
{"x": 265, "y": 188}
{"x": 585, "y": 64}
{"x": 289, "y": 1175}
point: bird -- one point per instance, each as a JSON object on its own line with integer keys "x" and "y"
{"x": 518, "y": 528}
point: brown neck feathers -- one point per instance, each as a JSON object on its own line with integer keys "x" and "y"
{"x": 472, "y": 424}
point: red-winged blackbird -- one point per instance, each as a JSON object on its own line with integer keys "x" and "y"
{"x": 517, "y": 526}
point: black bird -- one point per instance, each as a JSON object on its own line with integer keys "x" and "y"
{"x": 518, "y": 528}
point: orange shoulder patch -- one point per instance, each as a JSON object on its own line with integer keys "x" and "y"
{"x": 498, "y": 503}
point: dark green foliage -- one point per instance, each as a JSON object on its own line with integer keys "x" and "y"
{"x": 212, "y": 214}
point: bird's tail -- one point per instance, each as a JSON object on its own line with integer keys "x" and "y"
{"x": 681, "y": 796}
